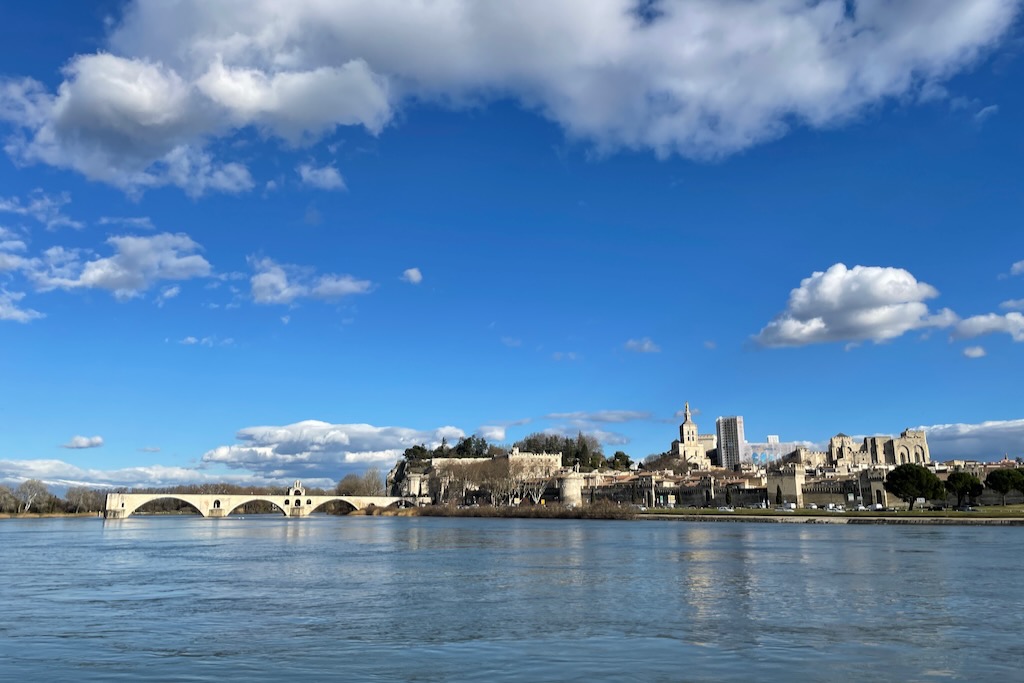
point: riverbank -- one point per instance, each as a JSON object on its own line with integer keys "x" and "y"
{"x": 47, "y": 515}
{"x": 836, "y": 519}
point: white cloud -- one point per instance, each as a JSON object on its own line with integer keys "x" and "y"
{"x": 138, "y": 222}
{"x": 984, "y": 441}
{"x": 644, "y": 345}
{"x": 974, "y": 352}
{"x": 77, "y": 442}
{"x": 9, "y": 309}
{"x": 617, "y": 416}
{"x": 493, "y": 433}
{"x": 209, "y": 342}
{"x": 44, "y": 208}
{"x": 986, "y": 113}
{"x": 323, "y": 178}
{"x": 315, "y": 448}
{"x": 139, "y": 262}
{"x": 166, "y": 294}
{"x": 338, "y": 286}
{"x": 569, "y": 356}
{"x": 412, "y": 275}
{"x": 1013, "y": 305}
{"x": 149, "y": 449}
{"x": 978, "y": 325}
{"x": 512, "y": 342}
{"x": 860, "y": 303}
{"x": 275, "y": 283}
{"x": 701, "y": 78}
{"x": 1017, "y": 268}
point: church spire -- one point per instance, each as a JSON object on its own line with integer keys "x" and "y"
{"x": 686, "y": 412}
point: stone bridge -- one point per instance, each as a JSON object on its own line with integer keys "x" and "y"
{"x": 293, "y": 503}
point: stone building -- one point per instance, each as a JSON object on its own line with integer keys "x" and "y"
{"x": 691, "y": 447}
{"x": 911, "y": 446}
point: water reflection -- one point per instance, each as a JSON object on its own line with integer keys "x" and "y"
{"x": 438, "y": 599}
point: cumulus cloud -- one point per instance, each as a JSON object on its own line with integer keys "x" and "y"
{"x": 322, "y": 178}
{"x": 84, "y": 442}
{"x": 974, "y": 352}
{"x": 42, "y": 207}
{"x": 137, "y": 264}
{"x": 497, "y": 432}
{"x": 644, "y": 345}
{"x": 275, "y": 283}
{"x": 9, "y": 309}
{"x": 60, "y": 473}
{"x": 412, "y": 275}
{"x": 1017, "y": 268}
{"x": 318, "y": 448}
{"x": 978, "y": 325}
{"x": 982, "y": 441}
{"x": 854, "y": 304}
{"x": 701, "y": 78}
{"x": 1013, "y": 305}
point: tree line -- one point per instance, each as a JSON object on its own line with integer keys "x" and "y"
{"x": 582, "y": 450}
{"x": 912, "y": 481}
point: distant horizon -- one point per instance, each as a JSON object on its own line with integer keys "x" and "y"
{"x": 228, "y": 253}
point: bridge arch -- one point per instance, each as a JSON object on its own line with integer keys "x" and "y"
{"x": 331, "y": 499}
{"x": 256, "y": 499}
{"x": 185, "y": 498}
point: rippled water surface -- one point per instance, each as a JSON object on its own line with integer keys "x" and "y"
{"x": 426, "y": 599}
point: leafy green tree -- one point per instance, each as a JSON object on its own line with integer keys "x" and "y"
{"x": 470, "y": 447}
{"x": 1002, "y": 482}
{"x": 1018, "y": 480}
{"x": 963, "y": 485}
{"x": 911, "y": 481}
{"x": 417, "y": 453}
{"x": 619, "y": 461}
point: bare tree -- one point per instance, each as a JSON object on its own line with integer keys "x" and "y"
{"x": 373, "y": 482}
{"x": 8, "y": 501}
{"x": 84, "y": 498}
{"x": 30, "y": 491}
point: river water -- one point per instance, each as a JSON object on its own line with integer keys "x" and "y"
{"x": 429, "y": 599}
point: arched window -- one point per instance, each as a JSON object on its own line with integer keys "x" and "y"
{"x": 216, "y": 504}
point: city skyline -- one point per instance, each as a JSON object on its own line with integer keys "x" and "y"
{"x": 231, "y": 255}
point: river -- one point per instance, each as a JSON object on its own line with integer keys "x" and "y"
{"x": 434, "y": 599}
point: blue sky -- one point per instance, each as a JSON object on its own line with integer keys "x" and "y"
{"x": 258, "y": 242}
